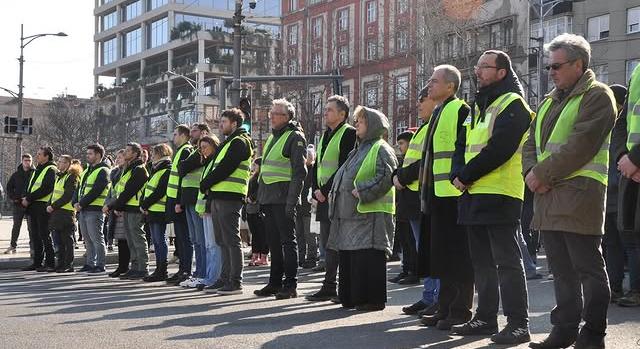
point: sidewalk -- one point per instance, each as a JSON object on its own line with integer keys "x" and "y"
{"x": 22, "y": 258}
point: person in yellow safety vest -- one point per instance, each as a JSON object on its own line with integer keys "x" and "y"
{"x": 93, "y": 191}
{"x": 444, "y": 247}
{"x": 153, "y": 206}
{"x": 190, "y": 170}
{"x": 129, "y": 192}
{"x": 37, "y": 198}
{"x": 207, "y": 147}
{"x": 625, "y": 153}
{"x": 226, "y": 184}
{"x": 175, "y": 209}
{"x": 279, "y": 186}
{"x": 408, "y": 177}
{"x": 566, "y": 162}
{"x": 336, "y": 143}
{"x": 63, "y": 215}
{"x": 492, "y": 197}
{"x": 361, "y": 208}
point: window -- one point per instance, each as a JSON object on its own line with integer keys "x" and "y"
{"x": 633, "y": 20}
{"x": 132, "y": 10}
{"x": 402, "y": 6}
{"x": 292, "y": 67}
{"x": 207, "y": 23}
{"x": 598, "y": 28}
{"x": 602, "y": 73}
{"x": 371, "y": 11}
{"x": 372, "y": 50}
{"x": 293, "y": 5}
{"x": 453, "y": 45}
{"x": 631, "y": 65}
{"x": 401, "y": 41}
{"x": 346, "y": 91}
{"x": 552, "y": 28}
{"x": 133, "y": 42}
{"x": 313, "y": 2}
{"x": 402, "y": 88}
{"x": 470, "y": 42}
{"x": 437, "y": 49}
{"x": 495, "y": 35}
{"x": 158, "y": 33}
{"x": 371, "y": 94}
{"x": 153, "y": 4}
{"x": 343, "y": 19}
{"x": 109, "y": 20}
{"x": 109, "y": 51}
{"x": 507, "y": 28}
{"x": 317, "y": 27}
{"x": 316, "y": 103}
{"x": 293, "y": 35}
{"x": 316, "y": 62}
{"x": 343, "y": 56}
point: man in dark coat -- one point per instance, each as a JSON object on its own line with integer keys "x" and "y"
{"x": 491, "y": 203}
{"x": 16, "y": 186}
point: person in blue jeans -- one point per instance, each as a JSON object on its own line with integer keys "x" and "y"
{"x": 154, "y": 206}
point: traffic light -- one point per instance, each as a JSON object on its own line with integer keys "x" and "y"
{"x": 245, "y": 106}
{"x": 10, "y": 124}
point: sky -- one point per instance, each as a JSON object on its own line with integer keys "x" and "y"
{"x": 53, "y": 65}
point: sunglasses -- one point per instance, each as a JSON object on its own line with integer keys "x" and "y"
{"x": 556, "y": 66}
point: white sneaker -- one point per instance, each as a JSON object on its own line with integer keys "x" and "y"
{"x": 186, "y": 282}
{"x": 10, "y": 250}
{"x": 195, "y": 284}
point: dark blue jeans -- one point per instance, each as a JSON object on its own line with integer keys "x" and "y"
{"x": 159, "y": 238}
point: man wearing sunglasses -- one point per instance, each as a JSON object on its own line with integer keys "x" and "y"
{"x": 491, "y": 201}
{"x": 565, "y": 162}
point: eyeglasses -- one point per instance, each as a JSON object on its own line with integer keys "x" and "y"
{"x": 478, "y": 67}
{"x": 556, "y": 66}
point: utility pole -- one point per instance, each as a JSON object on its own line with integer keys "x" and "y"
{"x": 237, "y": 53}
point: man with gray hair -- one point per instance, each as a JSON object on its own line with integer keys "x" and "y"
{"x": 443, "y": 250}
{"x": 280, "y": 184}
{"x": 565, "y": 161}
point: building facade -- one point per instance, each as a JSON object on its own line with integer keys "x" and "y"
{"x": 158, "y": 63}
{"x": 372, "y": 43}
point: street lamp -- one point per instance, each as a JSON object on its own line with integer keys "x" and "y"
{"x": 23, "y": 44}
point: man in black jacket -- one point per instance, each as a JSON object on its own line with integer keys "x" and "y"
{"x": 280, "y": 183}
{"x": 226, "y": 185}
{"x": 36, "y": 200}
{"x": 337, "y": 141}
{"x": 129, "y": 192}
{"x": 16, "y": 186}
{"x": 491, "y": 203}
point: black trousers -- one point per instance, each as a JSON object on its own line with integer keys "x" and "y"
{"x": 363, "y": 277}
{"x": 455, "y": 299}
{"x": 40, "y": 235}
{"x": 64, "y": 228}
{"x": 282, "y": 244}
{"x": 19, "y": 214}
{"x": 331, "y": 258}
{"x": 578, "y": 271}
{"x": 404, "y": 238}
{"x": 498, "y": 273}
{"x": 124, "y": 255}
{"x": 258, "y": 235}
{"x": 613, "y": 251}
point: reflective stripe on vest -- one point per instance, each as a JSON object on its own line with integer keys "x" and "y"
{"x": 150, "y": 188}
{"x": 174, "y": 177}
{"x": 201, "y": 201}
{"x": 367, "y": 171}
{"x": 597, "y": 167}
{"x": 328, "y": 159}
{"x": 238, "y": 180}
{"x": 36, "y": 183}
{"x": 506, "y": 179}
{"x": 633, "y": 110}
{"x": 444, "y": 145}
{"x": 135, "y": 200}
{"x": 88, "y": 185}
{"x": 58, "y": 191}
{"x": 414, "y": 153}
{"x": 275, "y": 166}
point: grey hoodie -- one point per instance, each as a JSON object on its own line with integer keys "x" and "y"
{"x": 351, "y": 230}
